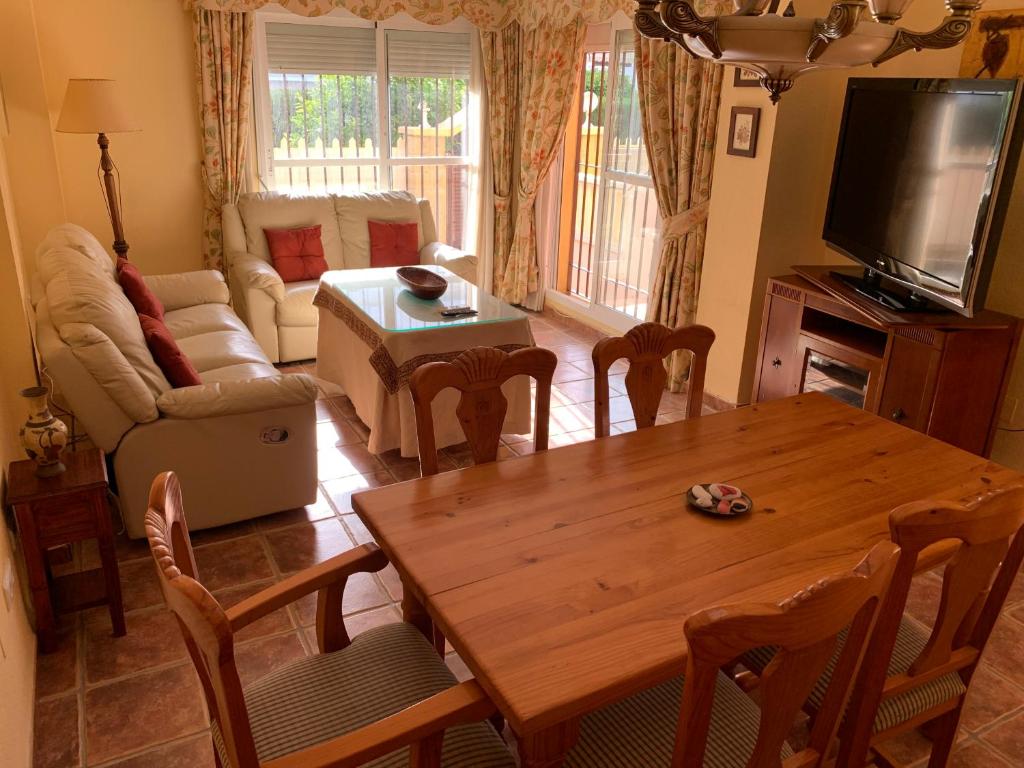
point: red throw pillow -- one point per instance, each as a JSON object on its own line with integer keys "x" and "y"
{"x": 297, "y": 254}
{"x": 138, "y": 293}
{"x": 394, "y": 243}
{"x": 168, "y": 355}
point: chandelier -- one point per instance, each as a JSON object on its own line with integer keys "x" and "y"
{"x": 779, "y": 47}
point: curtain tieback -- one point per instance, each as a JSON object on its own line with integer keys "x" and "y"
{"x": 681, "y": 224}
{"x": 501, "y": 203}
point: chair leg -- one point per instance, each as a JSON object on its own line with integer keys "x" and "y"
{"x": 943, "y": 731}
{"x": 440, "y": 644}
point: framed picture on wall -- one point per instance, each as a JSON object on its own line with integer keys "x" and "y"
{"x": 741, "y": 78}
{"x": 743, "y": 131}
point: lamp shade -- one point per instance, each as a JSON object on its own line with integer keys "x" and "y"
{"x": 95, "y": 106}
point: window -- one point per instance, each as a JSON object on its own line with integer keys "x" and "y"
{"x": 368, "y": 108}
{"x": 606, "y": 258}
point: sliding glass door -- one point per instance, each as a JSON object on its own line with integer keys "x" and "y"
{"x": 607, "y": 255}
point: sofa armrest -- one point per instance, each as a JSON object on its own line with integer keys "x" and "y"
{"x": 189, "y": 289}
{"x": 224, "y": 398}
{"x": 461, "y": 263}
{"x": 257, "y": 273}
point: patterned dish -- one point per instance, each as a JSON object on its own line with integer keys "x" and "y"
{"x": 719, "y": 500}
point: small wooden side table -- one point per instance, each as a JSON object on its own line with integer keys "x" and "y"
{"x": 52, "y": 511}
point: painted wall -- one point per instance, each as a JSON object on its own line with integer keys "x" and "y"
{"x": 17, "y": 641}
{"x": 791, "y": 177}
{"x": 147, "y": 46}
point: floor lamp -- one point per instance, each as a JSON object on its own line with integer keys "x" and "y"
{"x": 99, "y": 106}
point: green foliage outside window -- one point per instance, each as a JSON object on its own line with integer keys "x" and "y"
{"x": 329, "y": 107}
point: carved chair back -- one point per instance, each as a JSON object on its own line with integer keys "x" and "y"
{"x": 478, "y": 375}
{"x": 806, "y": 630}
{"x": 988, "y": 532}
{"x": 645, "y": 347}
{"x": 203, "y": 622}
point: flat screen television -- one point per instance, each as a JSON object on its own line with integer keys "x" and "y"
{"x": 920, "y": 186}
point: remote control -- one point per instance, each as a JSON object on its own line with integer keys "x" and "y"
{"x": 457, "y": 311}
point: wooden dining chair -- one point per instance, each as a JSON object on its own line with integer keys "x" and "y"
{"x": 917, "y": 676}
{"x": 645, "y": 347}
{"x": 478, "y": 374}
{"x": 384, "y": 693}
{"x": 705, "y": 719}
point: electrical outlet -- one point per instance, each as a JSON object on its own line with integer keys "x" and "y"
{"x": 8, "y": 584}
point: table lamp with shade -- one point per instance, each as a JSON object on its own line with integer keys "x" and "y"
{"x": 100, "y": 107}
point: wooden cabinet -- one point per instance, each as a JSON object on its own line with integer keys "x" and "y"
{"x": 938, "y": 373}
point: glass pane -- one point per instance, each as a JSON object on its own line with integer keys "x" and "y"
{"x": 447, "y": 189}
{"x": 592, "y": 117}
{"x": 835, "y": 378}
{"x": 326, "y": 117}
{"x": 429, "y": 96}
{"x": 629, "y": 210}
{"x": 625, "y": 143}
{"x": 629, "y": 234}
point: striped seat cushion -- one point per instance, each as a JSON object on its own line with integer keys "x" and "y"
{"x": 383, "y": 671}
{"x": 641, "y": 730}
{"x": 910, "y": 641}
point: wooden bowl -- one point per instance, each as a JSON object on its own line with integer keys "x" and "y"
{"x": 422, "y": 283}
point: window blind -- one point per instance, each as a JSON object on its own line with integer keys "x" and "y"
{"x": 321, "y": 49}
{"x": 429, "y": 54}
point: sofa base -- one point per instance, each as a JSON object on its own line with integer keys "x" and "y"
{"x": 296, "y": 343}
{"x": 231, "y": 468}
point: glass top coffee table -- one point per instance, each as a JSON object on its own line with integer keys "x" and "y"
{"x": 384, "y": 300}
{"x": 373, "y": 334}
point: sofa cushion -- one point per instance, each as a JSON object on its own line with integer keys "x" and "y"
{"x": 77, "y": 293}
{"x": 297, "y": 254}
{"x": 138, "y": 293}
{"x": 275, "y": 211}
{"x": 82, "y": 242}
{"x": 203, "y": 318}
{"x": 218, "y": 349}
{"x": 394, "y": 243}
{"x": 355, "y": 210}
{"x": 239, "y": 372}
{"x": 168, "y": 355}
{"x": 109, "y": 368}
{"x": 297, "y": 308}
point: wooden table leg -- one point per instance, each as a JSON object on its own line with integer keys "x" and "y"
{"x": 108, "y": 558}
{"x": 414, "y": 613}
{"x": 548, "y": 748}
{"x": 38, "y": 582}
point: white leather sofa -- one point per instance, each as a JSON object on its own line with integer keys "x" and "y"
{"x": 243, "y": 442}
{"x": 281, "y": 315}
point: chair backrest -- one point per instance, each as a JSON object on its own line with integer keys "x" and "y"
{"x": 478, "y": 374}
{"x": 203, "y": 622}
{"x": 989, "y": 532}
{"x": 645, "y": 347}
{"x": 806, "y": 630}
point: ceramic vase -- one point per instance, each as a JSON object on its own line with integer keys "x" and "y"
{"x": 43, "y": 436}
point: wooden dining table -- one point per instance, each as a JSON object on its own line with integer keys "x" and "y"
{"x": 563, "y": 578}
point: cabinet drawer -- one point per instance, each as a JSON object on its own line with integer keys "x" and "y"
{"x": 65, "y": 520}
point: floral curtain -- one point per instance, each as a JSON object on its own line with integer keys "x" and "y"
{"x": 223, "y": 53}
{"x": 485, "y": 14}
{"x": 501, "y": 53}
{"x": 679, "y": 98}
{"x": 549, "y": 72}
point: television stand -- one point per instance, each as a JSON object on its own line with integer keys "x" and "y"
{"x": 936, "y": 371}
{"x": 869, "y": 285}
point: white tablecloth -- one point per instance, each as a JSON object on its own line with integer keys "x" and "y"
{"x": 372, "y": 367}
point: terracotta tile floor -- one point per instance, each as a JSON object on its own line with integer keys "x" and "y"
{"x": 135, "y": 701}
